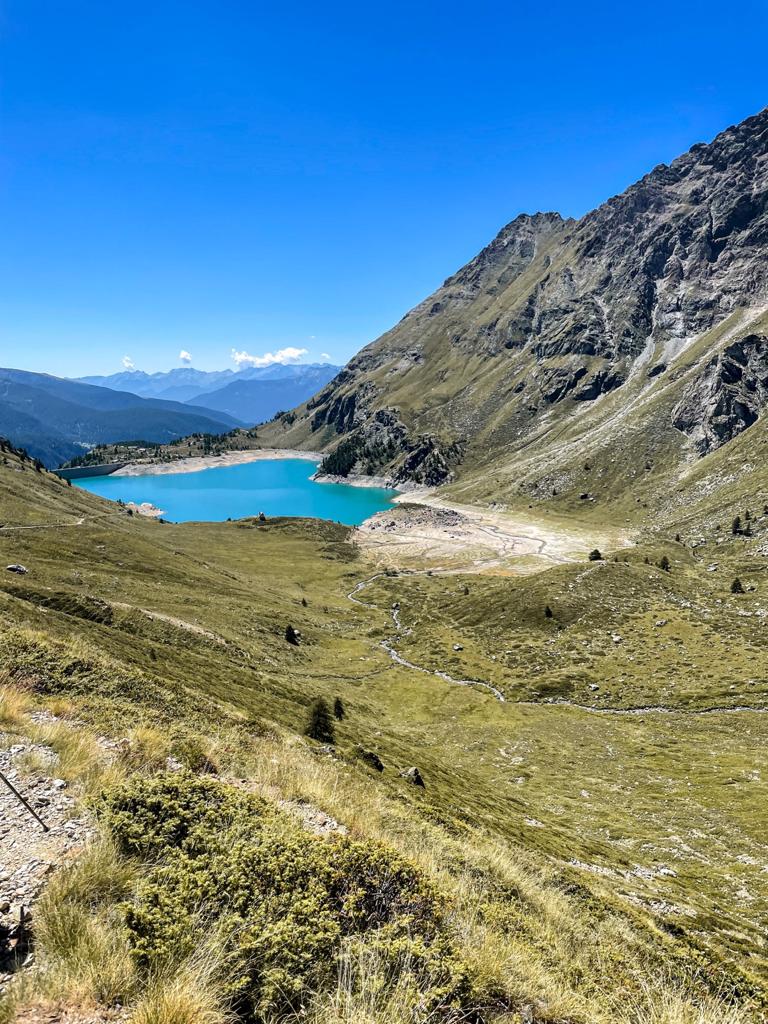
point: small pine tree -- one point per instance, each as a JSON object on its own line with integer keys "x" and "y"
{"x": 292, "y": 636}
{"x": 747, "y": 531}
{"x": 595, "y": 556}
{"x": 747, "y": 515}
{"x": 737, "y": 587}
{"x": 665, "y": 563}
{"x": 547, "y": 612}
{"x": 736, "y": 525}
{"x": 677, "y": 538}
{"x": 320, "y": 724}
{"x": 339, "y": 711}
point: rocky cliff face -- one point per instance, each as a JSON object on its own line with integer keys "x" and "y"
{"x": 728, "y": 396}
{"x": 557, "y": 319}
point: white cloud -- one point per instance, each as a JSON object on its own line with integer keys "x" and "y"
{"x": 128, "y": 363}
{"x": 283, "y": 355}
{"x": 185, "y": 357}
{"x": 324, "y": 355}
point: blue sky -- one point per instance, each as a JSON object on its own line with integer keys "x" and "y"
{"x": 216, "y": 176}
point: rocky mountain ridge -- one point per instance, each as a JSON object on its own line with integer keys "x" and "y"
{"x": 570, "y": 331}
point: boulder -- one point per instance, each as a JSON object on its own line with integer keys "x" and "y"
{"x": 412, "y": 775}
{"x": 371, "y": 758}
{"x": 20, "y": 570}
{"x": 292, "y": 636}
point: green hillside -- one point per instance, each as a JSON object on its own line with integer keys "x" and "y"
{"x": 589, "y": 860}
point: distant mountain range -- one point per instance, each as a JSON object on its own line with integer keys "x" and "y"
{"x": 253, "y": 395}
{"x": 56, "y": 419}
{"x": 255, "y": 401}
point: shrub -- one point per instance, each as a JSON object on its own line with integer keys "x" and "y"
{"x": 192, "y": 755}
{"x": 595, "y": 556}
{"x": 547, "y": 612}
{"x": 339, "y": 711}
{"x": 665, "y": 564}
{"x": 320, "y": 725}
{"x": 285, "y": 903}
{"x": 737, "y": 587}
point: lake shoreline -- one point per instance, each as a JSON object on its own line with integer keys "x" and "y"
{"x": 382, "y": 482}
{"x": 248, "y": 483}
{"x": 198, "y": 463}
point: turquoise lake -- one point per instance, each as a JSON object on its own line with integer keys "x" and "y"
{"x": 277, "y": 487}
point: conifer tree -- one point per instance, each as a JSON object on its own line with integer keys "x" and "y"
{"x": 320, "y": 724}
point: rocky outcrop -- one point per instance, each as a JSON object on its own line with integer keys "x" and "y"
{"x": 555, "y": 314}
{"x": 728, "y": 397}
{"x": 429, "y": 463}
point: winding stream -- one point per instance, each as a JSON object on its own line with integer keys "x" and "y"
{"x": 400, "y": 631}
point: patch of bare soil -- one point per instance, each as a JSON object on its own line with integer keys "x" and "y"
{"x": 426, "y": 531}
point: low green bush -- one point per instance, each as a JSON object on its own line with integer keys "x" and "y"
{"x": 285, "y": 902}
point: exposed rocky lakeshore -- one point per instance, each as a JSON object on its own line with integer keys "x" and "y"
{"x": 196, "y": 463}
{"x": 425, "y": 529}
{"x": 146, "y": 508}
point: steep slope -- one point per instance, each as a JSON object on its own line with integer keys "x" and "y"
{"x": 637, "y": 329}
{"x": 56, "y": 419}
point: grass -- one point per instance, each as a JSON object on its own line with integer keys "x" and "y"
{"x": 187, "y": 997}
{"x": 80, "y": 759}
{"x": 504, "y": 811}
{"x": 87, "y": 960}
{"x": 14, "y": 702}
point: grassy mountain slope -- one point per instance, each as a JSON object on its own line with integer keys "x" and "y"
{"x": 600, "y": 865}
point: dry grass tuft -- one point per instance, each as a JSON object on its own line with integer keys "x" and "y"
{"x": 148, "y": 748}
{"x": 14, "y": 702}
{"x": 86, "y": 958}
{"x": 191, "y": 994}
{"x": 81, "y": 759}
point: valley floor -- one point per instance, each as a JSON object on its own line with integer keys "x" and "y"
{"x": 425, "y": 530}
